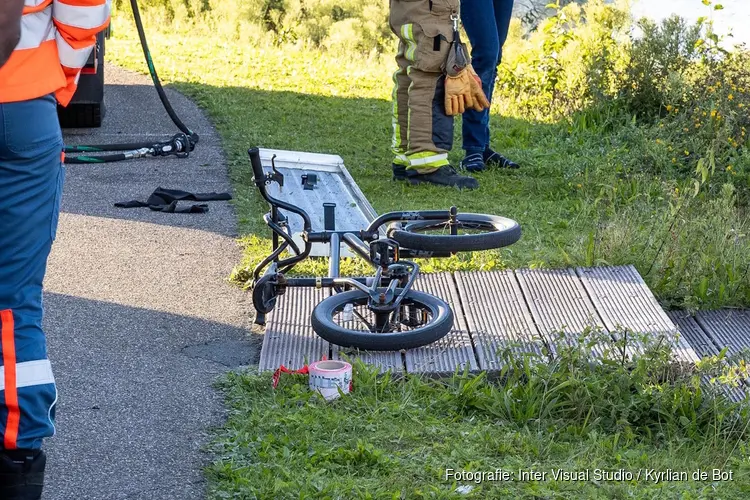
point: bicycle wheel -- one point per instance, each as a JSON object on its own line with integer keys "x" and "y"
{"x": 346, "y": 320}
{"x": 474, "y": 232}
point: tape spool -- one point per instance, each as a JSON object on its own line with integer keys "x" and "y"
{"x": 327, "y": 377}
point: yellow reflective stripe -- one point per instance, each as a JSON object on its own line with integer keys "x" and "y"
{"x": 401, "y": 159}
{"x": 36, "y": 29}
{"x": 428, "y": 159}
{"x": 396, "y": 142}
{"x": 407, "y": 33}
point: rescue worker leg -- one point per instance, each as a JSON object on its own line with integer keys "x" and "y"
{"x": 422, "y": 130}
{"x": 31, "y": 177}
{"x": 400, "y": 118}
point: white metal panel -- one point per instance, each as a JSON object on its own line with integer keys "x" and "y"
{"x": 334, "y": 185}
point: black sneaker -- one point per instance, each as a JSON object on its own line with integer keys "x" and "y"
{"x": 444, "y": 176}
{"x": 494, "y": 159}
{"x": 399, "y": 172}
{"x": 473, "y": 163}
{"x": 22, "y": 474}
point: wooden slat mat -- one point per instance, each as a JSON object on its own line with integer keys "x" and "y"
{"x": 560, "y": 306}
{"x": 626, "y": 305}
{"x": 455, "y": 350}
{"x": 289, "y": 339}
{"x": 704, "y": 346}
{"x": 497, "y": 316}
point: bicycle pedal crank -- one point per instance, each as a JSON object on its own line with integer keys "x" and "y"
{"x": 266, "y": 290}
{"x": 384, "y": 252}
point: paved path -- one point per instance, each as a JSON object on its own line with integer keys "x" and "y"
{"x": 139, "y": 315}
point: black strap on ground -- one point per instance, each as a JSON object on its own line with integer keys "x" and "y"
{"x": 165, "y": 200}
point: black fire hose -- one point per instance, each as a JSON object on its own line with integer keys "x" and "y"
{"x": 179, "y": 145}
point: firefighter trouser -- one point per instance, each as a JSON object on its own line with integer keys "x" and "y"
{"x": 422, "y": 132}
{"x": 31, "y": 177}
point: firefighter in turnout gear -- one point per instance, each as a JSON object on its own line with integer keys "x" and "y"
{"x": 43, "y": 46}
{"x": 427, "y": 94}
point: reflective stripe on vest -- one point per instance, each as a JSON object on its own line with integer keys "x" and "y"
{"x": 72, "y": 26}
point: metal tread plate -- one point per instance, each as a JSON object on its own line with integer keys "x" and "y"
{"x": 497, "y": 316}
{"x": 626, "y": 304}
{"x": 560, "y": 305}
{"x": 334, "y": 185}
{"x": 455, "y": 350}
{"x": 289, "y": 339}
{"x": 704, "y": 347}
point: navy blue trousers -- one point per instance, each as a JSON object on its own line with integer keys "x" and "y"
{"x": 31, "y": 180}
{"x": 486, "y": 23}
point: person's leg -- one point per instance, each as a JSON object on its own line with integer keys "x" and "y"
{"x": 503, "y": 11}
{"x": 400, "y": 101}
{"x": 478, "y": 19}
{"x": 31, "y": 177}
{"x": 486, "y": 23}
{"x": 424, "y": 29}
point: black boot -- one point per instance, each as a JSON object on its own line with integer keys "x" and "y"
{"x": 22, "y": 474}
{"x": 399, "y": 172}
{"x": 444, "y": 176}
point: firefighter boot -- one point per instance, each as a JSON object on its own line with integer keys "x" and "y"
{"x": 22, "y": 474}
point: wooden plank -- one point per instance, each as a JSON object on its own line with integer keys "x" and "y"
{"x": 289, "y": 339}
{"x": 561, "y": 308}
{"x": 455, "y": 350}
{"x": 497, "y": 316}
{"x": 626, "y": 305}
{"x": 727, "y": 328}
{"x": 384, "y": 360}
{"x": 704, "y": 347}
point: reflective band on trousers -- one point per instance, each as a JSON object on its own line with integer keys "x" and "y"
{"x": 30, "y": 373}
{"x": 428, "y": 159}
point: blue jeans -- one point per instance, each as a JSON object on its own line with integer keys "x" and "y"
{"x": 31, "y": 180}
{"x": 486, "y": 23}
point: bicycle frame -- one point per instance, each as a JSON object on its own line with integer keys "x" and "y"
{"x": 390, "y": 272}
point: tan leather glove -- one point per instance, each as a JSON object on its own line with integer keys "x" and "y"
{"x": 458, "y": 93}
{"x": 464, "y": 91}
{"x": 477, "y": 94}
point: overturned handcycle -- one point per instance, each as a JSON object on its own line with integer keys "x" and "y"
{"x": 381, "y": 312}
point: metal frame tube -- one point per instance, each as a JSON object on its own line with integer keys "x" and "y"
{"x": 358, "y": 246}
{"x": 334, "y": 256}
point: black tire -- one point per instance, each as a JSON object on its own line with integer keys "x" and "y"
{"x": 495, "y": 232}
{"x": 438, "y": 327}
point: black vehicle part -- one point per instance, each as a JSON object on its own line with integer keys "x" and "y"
{"x": 436, "y": 326}
{"x": 275, "y": 220}
{"x": 86, "y": 110}
{"x": 482, "y": 232}
{"x": 265, "y": 292}
{"x": 176, "y": 145}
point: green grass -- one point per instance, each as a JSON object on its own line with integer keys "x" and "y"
{"x": 396, "y": 438}
{"x": 594, "y": 190}
{"x": 586, "y": 194}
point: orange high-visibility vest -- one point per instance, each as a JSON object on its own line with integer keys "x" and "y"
{"x": 57, "y": 37}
